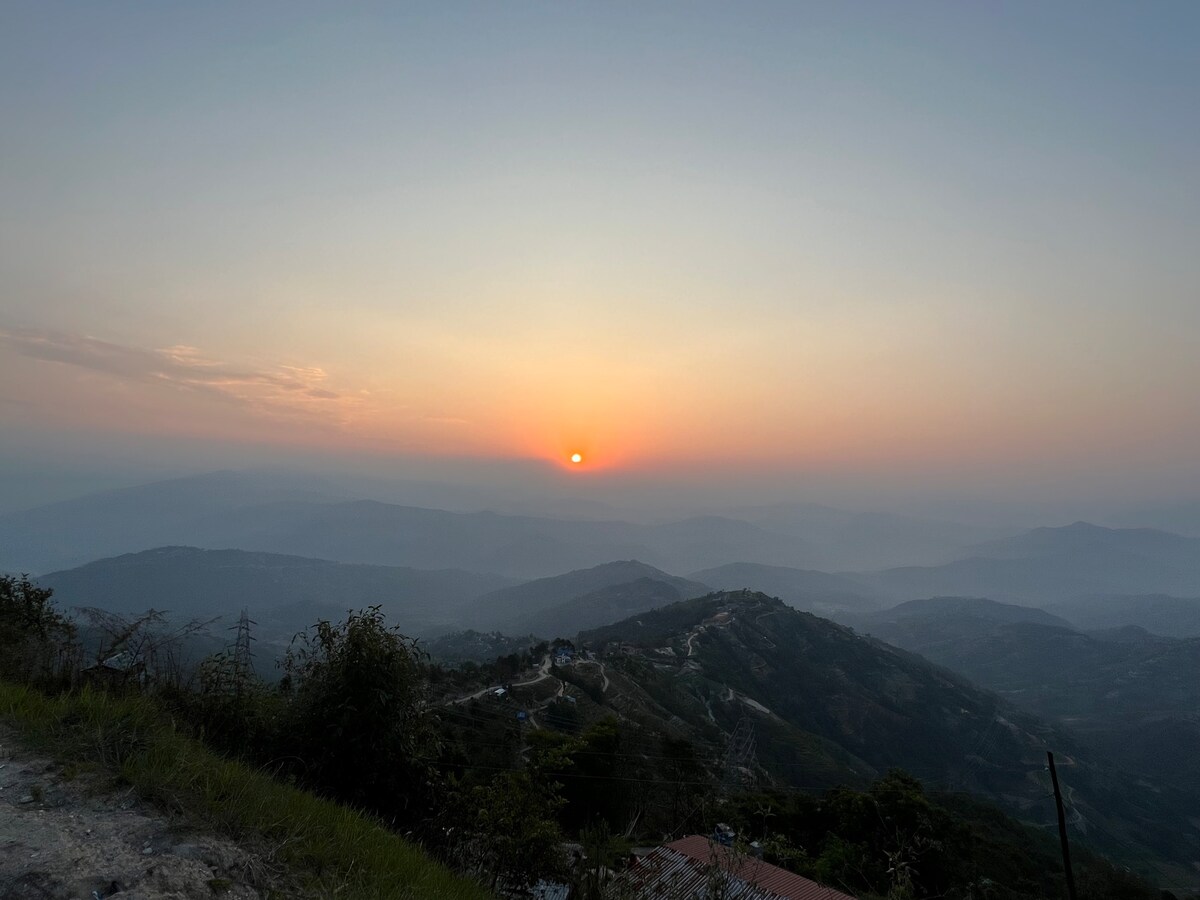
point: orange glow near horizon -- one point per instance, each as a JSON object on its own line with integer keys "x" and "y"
{"x": 686, "y": 418}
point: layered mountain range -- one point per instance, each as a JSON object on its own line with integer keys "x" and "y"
{"x": 1129, "y": 694}
{"x": 1081, "y": 639}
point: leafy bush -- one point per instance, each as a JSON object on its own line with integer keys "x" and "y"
{"x": 357, "y": 718}
{"x": 505, "y": 830}
{"x": 234, "y": 711}
{"x": 36, "y": 641}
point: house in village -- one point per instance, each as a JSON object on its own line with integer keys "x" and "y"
{"x": 702, "y": 868}
{"x": 697, "y": 867}
{"x": 121, "y": 671}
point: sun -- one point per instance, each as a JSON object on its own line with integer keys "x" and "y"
{"x": 577, "y": 458}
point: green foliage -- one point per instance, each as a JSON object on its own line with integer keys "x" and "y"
{"x": 469, "y": 646}
{"x": 778, "y": 850}
{"x": 36, "y": 641}
{"x": 516, "y": 833}
{"x": 598, "y": 782}
{"x": 563, "y": 715}
{"x": 896, "y": 841}
{"x": 599, "y": 873}
{"x": 236, "y": 712}
{"x": 1101, "y": 881}
{"x": 26, "y": 611}
{"x": 505, "y": 828}
{"x": 681, "y": 791}
{"x": 351, "y": 719}
{"x": 357, "y": 719}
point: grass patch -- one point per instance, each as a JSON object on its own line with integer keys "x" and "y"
{"x": 331, "y": 849}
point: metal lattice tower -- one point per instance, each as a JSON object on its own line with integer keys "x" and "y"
{"x": 243, "y": 656}
{"x": 741, "y": 758}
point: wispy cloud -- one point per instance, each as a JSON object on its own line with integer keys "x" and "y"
{"x": 285, "y": 390}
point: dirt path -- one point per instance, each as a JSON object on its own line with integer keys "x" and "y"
{"x": 542, "y": 675}
{"x": 473, "y": 696}
{"x": 64, "y": 838}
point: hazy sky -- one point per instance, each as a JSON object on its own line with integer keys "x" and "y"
{"x": 816, "y": 240}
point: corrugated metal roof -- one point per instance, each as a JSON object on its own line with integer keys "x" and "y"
{"x": 693, "y": 866}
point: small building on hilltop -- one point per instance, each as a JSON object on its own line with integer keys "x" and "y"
{"x": 697, "y": 867}
{"x": 121, "y": 671}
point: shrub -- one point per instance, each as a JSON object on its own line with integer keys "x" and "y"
{"x": 357, "y": 717}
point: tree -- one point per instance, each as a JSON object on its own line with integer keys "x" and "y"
{"x": 518, "y": 839}
{"x": 35, "y": 639}
{"x": 357, "y": 717}
{"x": 507, "y": 830}
{"x": 680, "y": 776}
{"x": 145, "y": 650}
{"x": 600, "y": 874}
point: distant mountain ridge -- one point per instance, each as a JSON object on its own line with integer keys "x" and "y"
{"x": 1048, "y": 565}
{"x": 125, "y": 520}
{"x": 232, "y": 510}
{"x": 1156, "y": 613}
{"x": 843, "y": 540}
{"x": 189, "y": 581}
{"x": 1084, "y": 537}
{"x": 807, "y": 589}
{"x": 977, "y": 607}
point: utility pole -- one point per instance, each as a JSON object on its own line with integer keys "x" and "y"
{"x": 1062, "y": 829}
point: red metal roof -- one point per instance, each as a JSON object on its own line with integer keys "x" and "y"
{"x": 686, "y": 869}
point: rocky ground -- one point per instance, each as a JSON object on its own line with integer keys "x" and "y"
{"x": 71, "y": 836}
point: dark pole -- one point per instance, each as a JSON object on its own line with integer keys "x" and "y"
{"x": 1062, "y": 829}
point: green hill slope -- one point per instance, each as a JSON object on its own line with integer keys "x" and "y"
{"x": 325, "y": 849}
{"x": 826, "y": 703}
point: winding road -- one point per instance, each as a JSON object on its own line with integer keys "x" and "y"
{"x": 543, "y": 673}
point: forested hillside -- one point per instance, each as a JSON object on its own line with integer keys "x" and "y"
{"x": 632, "y": 736}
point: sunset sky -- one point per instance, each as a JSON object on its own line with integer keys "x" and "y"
{"x": 812, "y": 240}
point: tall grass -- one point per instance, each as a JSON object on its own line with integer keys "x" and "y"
{"x": 325, "y": 848}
